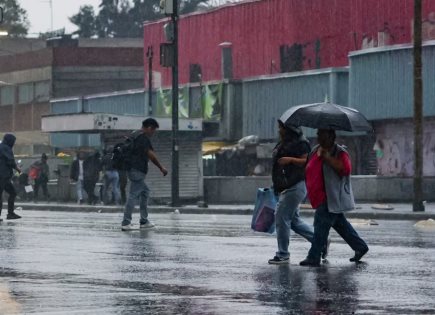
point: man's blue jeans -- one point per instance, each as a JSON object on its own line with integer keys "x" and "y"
{"x": 287, "y": 217}
{"x": 111, "y": 179}
{"x": 138, "y": 191}
{"x": 323, "y": 221}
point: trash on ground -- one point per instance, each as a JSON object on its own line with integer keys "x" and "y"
{"x": 429, "y": 223}
{"x": 382, "y": 207}
{"x": 363, "y": 222}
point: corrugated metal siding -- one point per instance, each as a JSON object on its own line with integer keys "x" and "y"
{"x": 73, "y": 140}
{"x": 190, "y": 167}
{"x": 65, "y": 107}
{"x": 381, "y": 83}
{"x": 129, "y": 104}
{"x": 256, "y": 30}
{"x": 342, "y": 87}
{"x": 264, "y": 101}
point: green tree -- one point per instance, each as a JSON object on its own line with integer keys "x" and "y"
{"x": 15, "y": 18}
{"x": 124, "y": 18}
{"x": 86, "y": 21}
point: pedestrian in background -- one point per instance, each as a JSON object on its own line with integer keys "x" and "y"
{"x": 330, "y": 192}
{"x": 91, "y": 175}
{"x": 288, "y": 177}
{"x": 111, "y": 179}
{"x": 42, "y": 177}
{"x": 7, "y": 166}
{"x": 123, "y": 180}
{"x": 77, "y": 175}
{"x": 142, "y": 151}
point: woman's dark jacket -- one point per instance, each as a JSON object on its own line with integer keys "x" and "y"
{"x": 284, "y": 177}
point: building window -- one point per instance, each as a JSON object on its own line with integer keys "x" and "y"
{"x": 25, "y": 93}
{"x": 7, "y": 95}
{"x": 195, "y": 72}
{"x": 42, "y": 91}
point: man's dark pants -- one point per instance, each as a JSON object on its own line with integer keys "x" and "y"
{"x": 89, "y": 186}
{"x": 41, "y": 183}
{"x": 6, "y": 185}
{"x": 323, "y": 221}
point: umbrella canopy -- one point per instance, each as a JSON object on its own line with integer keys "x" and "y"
{"x": 326, "y": 116}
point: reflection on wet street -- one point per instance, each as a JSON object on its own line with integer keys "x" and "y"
{"x": 64, "y": 263}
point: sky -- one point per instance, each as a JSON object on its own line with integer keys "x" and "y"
{"x": 38, "y": 12}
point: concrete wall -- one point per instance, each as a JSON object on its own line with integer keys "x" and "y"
{"x": 395, "y": 147}
{"x": 242, "y": 190}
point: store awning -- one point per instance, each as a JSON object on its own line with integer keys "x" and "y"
{"x": 212, "y": 147}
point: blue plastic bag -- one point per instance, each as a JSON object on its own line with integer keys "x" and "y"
{"x": 263, "y": 218}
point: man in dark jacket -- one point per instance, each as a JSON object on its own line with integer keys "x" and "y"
{"x": 7, "y": 166}
{"x": 43, "y": 175}
{"x": 91, "y": 171}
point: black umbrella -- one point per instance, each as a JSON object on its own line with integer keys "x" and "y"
{"x": 326, "y": 116}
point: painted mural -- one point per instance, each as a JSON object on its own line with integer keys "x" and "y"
{"x": 394, "y": 149}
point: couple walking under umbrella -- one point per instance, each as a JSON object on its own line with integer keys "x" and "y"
{"x": 322, "y": 172}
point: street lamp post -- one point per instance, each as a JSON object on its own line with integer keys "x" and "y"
{"x": 150, "y": 55}
{"x": 418, "y": 204}
{"x": 175, "y": 193}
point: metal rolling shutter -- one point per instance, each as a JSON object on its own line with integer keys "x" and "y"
{"x": 190, "y": 169}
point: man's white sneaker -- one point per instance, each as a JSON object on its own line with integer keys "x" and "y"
{"x": 147, "y": 225}
{"x": 127, "y": 227}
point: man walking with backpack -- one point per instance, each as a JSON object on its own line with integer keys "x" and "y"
{"x": 141, "y": 152}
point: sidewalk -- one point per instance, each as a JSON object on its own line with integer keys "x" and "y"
{"x": 363, "y": 211}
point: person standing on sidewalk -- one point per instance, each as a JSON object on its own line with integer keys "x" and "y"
{"x": 42, "y": 178}
{"x": 7, "y": 166}
{"x": 91, "y": 173}
{"x": 330, "y": 192}
{"x": 111, "y": 179}
{"x": 288, "y": 177}
{"x": 142, "y": 151}
{"x": 77, "y": 175}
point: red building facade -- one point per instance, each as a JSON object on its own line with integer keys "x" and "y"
{"x": 273, "y": 36}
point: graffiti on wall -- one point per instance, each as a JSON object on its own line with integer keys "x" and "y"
{"x": 298, "y": 57}
{"x": 394, "y": 149}
{"x": 428, "y": 26}
{"x": 387, "y": 35}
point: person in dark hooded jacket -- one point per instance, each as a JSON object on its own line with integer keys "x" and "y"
{"x": 7, "y": 166}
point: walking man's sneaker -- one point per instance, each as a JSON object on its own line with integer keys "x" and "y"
{"x": 326, "y": 249}
{"x": 310, "y": 262}
{"x": 127, "y": 227}
{"x": 358, "y": 255}
{"x": 13, "y": 216}
{"x": 147, "y": 225}
{"x": 278, "y": 261}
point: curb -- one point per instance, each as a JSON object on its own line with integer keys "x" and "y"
{"x": 357, "y": 214}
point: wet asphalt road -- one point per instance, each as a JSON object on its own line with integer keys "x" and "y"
{"x": 81, "y": 263}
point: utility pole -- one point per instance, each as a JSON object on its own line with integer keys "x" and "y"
{"x": 418, "y": 204}
{"x": 175, "y": 191}
{"x": 150, "y": 55}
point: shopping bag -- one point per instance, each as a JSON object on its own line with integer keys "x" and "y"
{"x": 28, "y": 188}
{"x": 263, "y": 218}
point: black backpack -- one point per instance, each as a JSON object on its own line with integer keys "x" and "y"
{"x": 123, "y": 152}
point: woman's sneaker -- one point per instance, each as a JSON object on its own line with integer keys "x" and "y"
{"x": 147, "y": 225}
{"x": 127, "y": 227}
{"x": 279, "y": 261}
